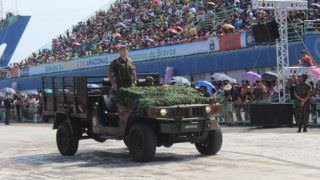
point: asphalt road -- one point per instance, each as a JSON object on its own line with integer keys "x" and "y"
{"x": 29, "y": 152}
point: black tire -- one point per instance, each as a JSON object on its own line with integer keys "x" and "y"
{"x": 67, "y": 140}
{"x": 142, "y": 143}
{"x": 212, "y": 144}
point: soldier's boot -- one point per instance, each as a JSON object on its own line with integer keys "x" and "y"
{"x": 299, "y": 129}
{"x": 305, "y": 129}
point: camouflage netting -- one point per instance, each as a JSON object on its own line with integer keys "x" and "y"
{"x": 144, "y": 97}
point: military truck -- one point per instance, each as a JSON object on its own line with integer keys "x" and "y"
{"x": 84, "y": 108}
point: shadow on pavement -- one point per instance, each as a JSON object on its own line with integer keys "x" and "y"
{"x": 113, "y": 158}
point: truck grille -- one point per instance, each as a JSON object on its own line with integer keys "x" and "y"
{"x": 199, "y": 111}
{"x": 190, "y": 112}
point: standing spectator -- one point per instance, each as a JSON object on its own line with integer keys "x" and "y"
{"x": 226, "y": 104}
{"x": 18, "y": 104}
{"x": 41, "y": 103}
{"x": 302, "y": 106}
{"x": 305, "y": 59}
{"x": 258, "y": 91}
{"x": 236, "y": 99}
{"x": 7, "y": 106}
{"x": 245, "y": 99}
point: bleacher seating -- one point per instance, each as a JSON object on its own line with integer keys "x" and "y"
{"x": 149, "y": 23}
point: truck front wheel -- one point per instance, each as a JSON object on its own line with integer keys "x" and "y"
{"x": 142, "y": 143}
{"x": 212, "y": 143}
{"x": 67, "y": 140}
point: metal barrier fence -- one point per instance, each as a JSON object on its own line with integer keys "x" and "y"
{"x": 312, "y": 26}
{"x": 238, "y": 114}
{"x": 230, "y": 114}
{"x": 26, "y": 115}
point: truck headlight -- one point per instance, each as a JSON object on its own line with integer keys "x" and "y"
{"x": 208, "y": 109}
{"x": 163, "y": 112}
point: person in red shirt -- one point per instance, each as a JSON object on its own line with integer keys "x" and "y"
{"x": 305, "y": 59}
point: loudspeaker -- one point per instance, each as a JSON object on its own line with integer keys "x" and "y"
{"x": 260, "y": 33}
{"x": 266, "y": 32}
{"x": 271, "y": 115}
{"x": 273, "y": 30}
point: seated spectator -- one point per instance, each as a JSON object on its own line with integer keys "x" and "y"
{"x": 305, "y": 59}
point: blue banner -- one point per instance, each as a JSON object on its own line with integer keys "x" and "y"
{"x": 138, "y": 55}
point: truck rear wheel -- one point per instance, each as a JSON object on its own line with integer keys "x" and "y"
{"x": 142, "y": 143}
{"x": 67, "y": 140}
{"x": 212, "y": 144}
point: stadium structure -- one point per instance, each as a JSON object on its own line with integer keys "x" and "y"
{"x": 231, "y": 53}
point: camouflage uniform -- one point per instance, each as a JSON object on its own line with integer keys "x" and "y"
{"x": 123, "y": 72}
{"x": 302, "y": 113}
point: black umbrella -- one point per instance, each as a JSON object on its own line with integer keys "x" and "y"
{"x": 269, "y": 76}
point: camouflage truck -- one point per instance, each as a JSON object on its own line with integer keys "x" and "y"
{"x": 143, "y": 117}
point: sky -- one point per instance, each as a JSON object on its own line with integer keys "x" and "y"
{"x": 49, "y": 18}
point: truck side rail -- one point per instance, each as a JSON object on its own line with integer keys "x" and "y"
{"x": 64, "y": 93}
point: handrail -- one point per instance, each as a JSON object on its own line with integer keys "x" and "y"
{"x": 312, "y": 26}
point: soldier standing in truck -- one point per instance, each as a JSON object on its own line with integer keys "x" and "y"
{"x": 122, "y": 72}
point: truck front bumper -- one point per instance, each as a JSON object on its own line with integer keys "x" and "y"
{"x": 186, "y": 125}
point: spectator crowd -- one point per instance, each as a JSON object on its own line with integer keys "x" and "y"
{"x": 235, "y": 98}
{"x": 21, "y": 107}
{"x": 150, "y": 23}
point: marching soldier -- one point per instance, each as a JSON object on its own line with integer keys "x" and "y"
{"x": 122, "y": 72}
{"x": 302, "y": 105}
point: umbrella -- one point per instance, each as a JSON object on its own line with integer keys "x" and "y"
{"x": 193, "y": 10}
{"x": 211, "y": 3}
{"x": 179, "y": 28}
{"x": 222, "y": 77}
{"x": 228, "y": 26}
{"x": 72, "y": 37}
{"x": 116, "y": 35}
{"x": 180, "y": 81}
{"x": 269, "y": 76}
{"x": 315, "y": 4}
{"x": 173, "y": 31}
{"x": 76, "y": 43}
{"x": 93, "y": 86}
{"x": 32, "y": 92}
{"x": 128, "y": 6}
{"x": 8, "y": 90}
{"x": 121, "y": 24}
{"x": 315, "y": 72}
{"x": 251, "y": 76}
{"x": 48, "y": 91}
{"x": 56, "y": 43}
{"x": 208, "y": 85}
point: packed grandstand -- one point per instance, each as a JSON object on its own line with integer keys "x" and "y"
{"x": 145, "y": 24}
